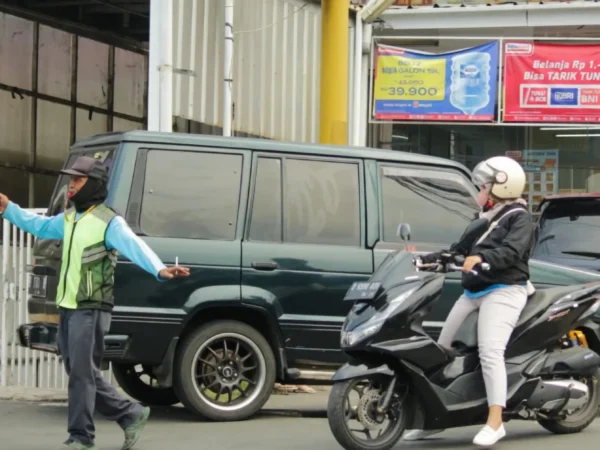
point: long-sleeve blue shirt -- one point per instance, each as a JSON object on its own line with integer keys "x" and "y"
{"x": 118, "y": 236}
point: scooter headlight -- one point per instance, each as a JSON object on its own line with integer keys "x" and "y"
{"x": 351, "y": 338}
{"x": 373, "y": 325}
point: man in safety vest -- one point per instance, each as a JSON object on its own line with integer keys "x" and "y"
{"x": 93, "y": 234}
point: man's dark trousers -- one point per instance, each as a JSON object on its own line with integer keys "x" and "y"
{"x": 81, "y": 344}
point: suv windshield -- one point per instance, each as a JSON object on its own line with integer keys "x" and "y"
{"x": 57, "y": 204}
{"x": 569, "y": 229}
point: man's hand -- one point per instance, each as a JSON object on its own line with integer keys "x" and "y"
{"x": 471, "y": 262}
{"x": 3, "y": 203}
{"x": 174, "y": 272}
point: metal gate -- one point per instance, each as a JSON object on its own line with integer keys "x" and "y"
{"x": 19, "y": 366}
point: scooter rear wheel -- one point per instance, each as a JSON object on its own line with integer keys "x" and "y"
{"x": 341, "y": 413}
{"x": 581, "y": 419}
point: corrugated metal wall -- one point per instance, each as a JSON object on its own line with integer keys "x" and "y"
{"x": 56, "y": 87}
{"x": 276, "y": 69}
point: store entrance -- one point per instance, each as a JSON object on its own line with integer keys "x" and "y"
{"x": 557, "y": 159}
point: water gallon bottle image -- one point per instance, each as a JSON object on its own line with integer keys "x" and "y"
{"x": 470, "y": 88}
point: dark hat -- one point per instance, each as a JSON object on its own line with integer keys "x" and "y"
{"x": 86, "y": 166}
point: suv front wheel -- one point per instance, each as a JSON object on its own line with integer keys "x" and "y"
{"x": 225, "y": 371}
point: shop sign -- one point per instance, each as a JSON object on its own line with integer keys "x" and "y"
{"x": 541, "y": 169}
{"x": 431, "y": 3}
{"x": 453, "y": 86}
{"x": 546, "y": 82}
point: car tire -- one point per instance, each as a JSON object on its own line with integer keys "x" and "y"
{"x": 130, "y": 380}
{"x": 225, "y": 371}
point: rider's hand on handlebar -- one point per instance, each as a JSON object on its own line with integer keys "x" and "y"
{"x": 471, "y": 262}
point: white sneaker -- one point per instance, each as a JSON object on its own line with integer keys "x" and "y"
{"x": 488, "y": 437}
{"x": 417, "y": 435}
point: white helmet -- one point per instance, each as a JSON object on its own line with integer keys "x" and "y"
{"x": 506, "y": 176}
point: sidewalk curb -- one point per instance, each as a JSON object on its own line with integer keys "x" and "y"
{"x": 60, "y": 396}
{"x": 277, "y": 404}
{"x": 33, "y": 395}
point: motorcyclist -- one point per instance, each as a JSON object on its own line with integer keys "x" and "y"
{"x": 501, "y": 292}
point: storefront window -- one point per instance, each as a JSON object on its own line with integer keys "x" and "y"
{"x": 558, "y": 159}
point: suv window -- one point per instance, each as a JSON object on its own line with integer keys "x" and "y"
{"x": 321, "y": 202}
{"x": 569, "y": 229}
{"x": 191, "y": 195}
{"x": 265, "y": 224}
{"x": 437, "y": 205}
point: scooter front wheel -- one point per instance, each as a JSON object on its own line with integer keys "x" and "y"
{"x": 354, "y": 418}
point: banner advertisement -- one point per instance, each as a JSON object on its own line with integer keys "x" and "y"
{"x": 454, "y": 86}
{"x": 541, "y": 168}
{"x": 551, "y": 82}
{"x": 455, "y": 3}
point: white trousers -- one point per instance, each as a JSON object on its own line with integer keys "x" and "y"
{"x": 499, "y": 313}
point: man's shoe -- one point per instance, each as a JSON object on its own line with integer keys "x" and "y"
{"x": 134, "y": 431}
{"x": 74, "y": 445}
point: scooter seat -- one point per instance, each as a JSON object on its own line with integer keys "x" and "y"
{"x": 535, "y": 306}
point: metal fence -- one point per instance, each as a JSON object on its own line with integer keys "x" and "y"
{"x": 19, "y": 366}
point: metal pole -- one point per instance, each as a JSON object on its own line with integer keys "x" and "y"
{"x": 166, "y": 68}
{"x": 3, "y": 318}
{"x": 499, "y": 94}
{"x": 154, "y": 67}
{"x": 333, "y": 127}
{"x": 34, "y": 109}
{"x": 228, "y": 69}
{"x": 356, "y": 88}
{"x": 366, "y": 93}
{"x": 20, "y": 298}
{"x": 13, "y": 297}
{"x": 372, "y": 59}
{"x": 160, "y": 64}
{"x": 361, "y": 47}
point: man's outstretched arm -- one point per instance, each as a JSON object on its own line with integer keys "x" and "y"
{"x": 39, "y": 226}
{"x": 120, "y": 237}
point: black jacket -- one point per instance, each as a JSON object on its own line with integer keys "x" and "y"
{"x": 506, "y": 249}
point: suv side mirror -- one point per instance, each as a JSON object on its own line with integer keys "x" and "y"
{"x": 404, "y": 232}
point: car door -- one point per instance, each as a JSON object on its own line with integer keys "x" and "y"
{"x": 438, "y": 204}
{"x": 305, "y": 245}
{"x": 188, "y": 204}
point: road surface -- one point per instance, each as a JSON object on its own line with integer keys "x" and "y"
{"x": 39, "y": 426}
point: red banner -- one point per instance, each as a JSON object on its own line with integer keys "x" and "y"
{"x": 551, "y": 82}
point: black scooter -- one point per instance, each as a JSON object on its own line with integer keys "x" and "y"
{"x": 399, "y": 378}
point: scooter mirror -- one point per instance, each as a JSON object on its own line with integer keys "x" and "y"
{"x": 403, "y": 231}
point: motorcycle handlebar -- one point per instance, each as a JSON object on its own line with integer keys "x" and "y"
{"x": 451, "y": 267}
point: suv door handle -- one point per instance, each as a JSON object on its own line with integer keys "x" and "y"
{"x": 264, "y": 265}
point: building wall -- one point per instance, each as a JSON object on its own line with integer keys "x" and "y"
{"x": 56, "y": 87}
{"x": 276, "y": 67}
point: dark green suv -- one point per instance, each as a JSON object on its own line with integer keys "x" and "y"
{"x": 274, "y": 234}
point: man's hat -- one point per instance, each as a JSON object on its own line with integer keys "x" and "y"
{"x": 86, "y": 166}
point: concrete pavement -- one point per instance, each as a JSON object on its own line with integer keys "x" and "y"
{"x": 295, "y": 421}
